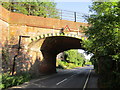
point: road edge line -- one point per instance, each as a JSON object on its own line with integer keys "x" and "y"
{"x": 86, "y": 80}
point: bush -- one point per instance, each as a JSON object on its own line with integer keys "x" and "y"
{"x": 72, "y": 59}
{"x": 9, "y": 81}
{"x": 88, "y": 63}
{"x": 115, "y": 81}
{"x": 65, "y": 65}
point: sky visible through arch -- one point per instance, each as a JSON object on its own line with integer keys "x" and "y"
{"x": 86, "y": 56}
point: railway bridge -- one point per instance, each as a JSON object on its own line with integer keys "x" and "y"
{"x": 33, "y": 42}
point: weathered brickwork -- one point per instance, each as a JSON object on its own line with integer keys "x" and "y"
{"x": 13, "y": 25}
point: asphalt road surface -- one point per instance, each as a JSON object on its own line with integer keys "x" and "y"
{"x": 82, "y": 77}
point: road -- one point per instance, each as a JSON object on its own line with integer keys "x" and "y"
{"x": 82, "y": 77}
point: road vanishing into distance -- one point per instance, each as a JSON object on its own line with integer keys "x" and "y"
{"x": 82, "y": 77}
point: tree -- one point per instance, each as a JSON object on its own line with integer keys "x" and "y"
{"x": 44, "y": 9}
{"x": 104, "y": 36}
{"x": 75, "y": 57}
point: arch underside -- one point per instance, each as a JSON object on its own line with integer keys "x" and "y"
{"x": 53, "y": 46}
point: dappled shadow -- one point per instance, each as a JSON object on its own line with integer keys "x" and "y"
{"x": 30, "y": 61}
{"x": 35, "y": 68}
{"x": 23, "y": 61}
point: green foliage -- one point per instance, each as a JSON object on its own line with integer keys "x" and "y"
{"x": 88, "y": 62}
{"x": 73, "y": 59}
{"x": 36, "y": 8}
{"x": 66, "y": 65}
{"x": 9, "y": 81}
{"x": 104, "y": 35}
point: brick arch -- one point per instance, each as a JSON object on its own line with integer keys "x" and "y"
{"x": 37, "y": 41}
{"x": 43, "y": 36}
{"x": 53, "y": 46}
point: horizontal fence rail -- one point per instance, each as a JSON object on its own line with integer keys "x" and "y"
{"x": 71, "y": 15}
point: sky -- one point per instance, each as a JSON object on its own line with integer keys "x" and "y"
{"x": 82, "y": 7}
{"x": 83, "y": 52}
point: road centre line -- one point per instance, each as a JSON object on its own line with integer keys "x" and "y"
{"x": 52, "y": 76}
{"x": 61, "y": 81}
{"x": 65, "y": 79}
{"x": 87, "y": 80}
{"x": 73, "y": 75}
{"x": 40, "y": 79}
{"x": 33, "y": 82}
{"x": 45, "y": 78}
{"x": 49, "y": 77}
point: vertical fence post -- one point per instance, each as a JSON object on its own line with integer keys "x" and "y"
{"x": 61, "y": 15}
{"x": 75, "y": 16}
{"x": 29, "y": 9}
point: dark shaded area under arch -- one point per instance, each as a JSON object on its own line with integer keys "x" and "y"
{"x": 53, "y": 46}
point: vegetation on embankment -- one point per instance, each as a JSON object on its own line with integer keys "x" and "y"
{"x": 9, "y": 80}
{"x": 6, "y": 79}
{"x": 104, "y": 42}
{"x": 72, "y": 59}
{"x": 36, "y": 8}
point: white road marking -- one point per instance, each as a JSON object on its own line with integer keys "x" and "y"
{"x": 65, "y": 79}
{"x": 45, "y": 78}
{"x": 86, "y": 80}
{"x": 40, "y": 79}
{"x": 61, "y": 81}
{"x": 73, "y": 75}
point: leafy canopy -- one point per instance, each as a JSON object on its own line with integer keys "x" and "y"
{"x": 104, "y": 41}
{"x": 104, "y": 32}
{"x": 45, "y": 9}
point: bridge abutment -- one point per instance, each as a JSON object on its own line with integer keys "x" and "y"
{"x": 48, "y": 64}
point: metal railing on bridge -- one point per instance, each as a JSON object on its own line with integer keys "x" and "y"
{"x": 71, "y": 15}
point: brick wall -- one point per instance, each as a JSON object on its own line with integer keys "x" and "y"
{"x": 13, "y": 25}
{"x": 17, "y": 18}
